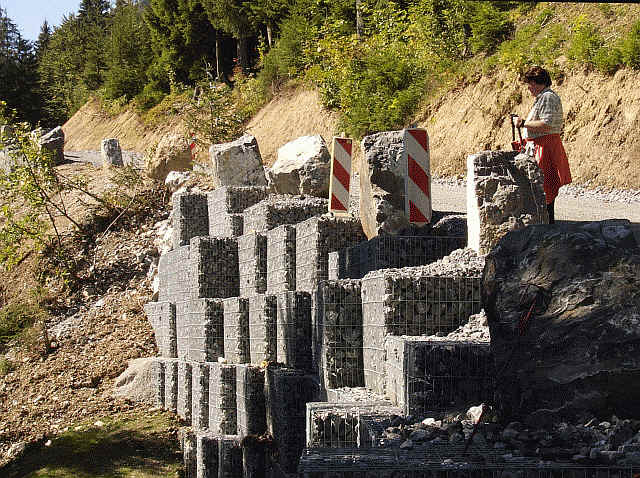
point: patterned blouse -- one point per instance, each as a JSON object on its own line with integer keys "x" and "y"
{"x": 548, "y": 108}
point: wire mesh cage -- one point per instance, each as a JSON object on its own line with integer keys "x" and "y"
{"x": 200, "y": 329}
{"x": 275, "y": 211}
{"x": 214, "y": 267}
{"x": 388, "y": 463}
{"x": 315, "y": 239}
{"x": 341, "y": 425}
{"x": 262, "y": 328}
{"x": 287, "y": 393}
{"x": 281, "y": 259}
{"x": 294, "y": 330}
{"x": 200, "y": 396}
{"x": 222, "y": 399}
{"x": 184, "y": 391}
{"x": 425, "y": 374}
{"x": 252, "y": 264}
{"x": 236, "y": 330}
{"x": 250, "y": 400}
{"x": 387, "y": 252}
{"x": 189, "y": 217}
{"x": 174, "y": 275}
{"x": 342, "y": 360}
{"x": 406, "y": 302}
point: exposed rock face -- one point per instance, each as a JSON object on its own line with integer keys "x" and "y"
{"x": 172, "y": 154}
{"x": 111, "y": 152}
{"x": 504, "y": 193}
{"x": 382, "y": 179}
{"x": 302, "y": 167}
{"x": 580, "y": 352}
{"x": 54, "y": 141}
{"x": 237, "y": 163}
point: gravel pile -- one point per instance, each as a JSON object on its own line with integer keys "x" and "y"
{"x": 475, "y": 329}
{"x": 460, "y": 263}
{"x": 614, "y": 442}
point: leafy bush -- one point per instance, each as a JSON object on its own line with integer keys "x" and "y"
{"x": 630, "y": 47}
{"x": 585, "y": 41}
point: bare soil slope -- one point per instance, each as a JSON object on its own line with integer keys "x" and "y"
{"x": 91, "y": 124}
{"x": 602, "y": 120}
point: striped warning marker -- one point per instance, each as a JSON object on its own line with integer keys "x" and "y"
{"x": 340, "y": 175}
{"x": 418, "y": 179}
{"x": 192, "y": 144}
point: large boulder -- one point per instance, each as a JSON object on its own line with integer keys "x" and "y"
{"x": 54, "y": 141}
{"x": 111, "y": 152}
{"x": 578, "y": 352}
{"x": 504, "y": 193}
{"x": 302, "y": 167}
{"x": 172, "y": 154}
{"x": 382, "y": 176}
{"x": 237, "y": 163}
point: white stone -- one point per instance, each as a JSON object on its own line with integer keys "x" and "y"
{"x": 302, "y": 167}
{"x": 175, "y": 179}
{"x": 111, "y": 152}
{"x": 237, "y": 163}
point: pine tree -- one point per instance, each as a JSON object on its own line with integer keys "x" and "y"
{"x": 18, "y": 71}
{"x": 43, "y": 39}
{"x": 182, "y": 39}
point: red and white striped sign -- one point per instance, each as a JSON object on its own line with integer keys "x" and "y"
{"x": 418, "y": 180}
{"x": 192, "y": 144}
{"x": 340, "y": 175}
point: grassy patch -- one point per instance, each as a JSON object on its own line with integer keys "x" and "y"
{"x": 131, "y": 447}
{"x": 17, "y": 317}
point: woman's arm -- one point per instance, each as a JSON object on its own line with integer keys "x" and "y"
{"x": 535, "y": 126}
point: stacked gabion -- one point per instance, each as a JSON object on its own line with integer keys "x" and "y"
{"x": 226, "y": 205}
{"x": 315, "y": 239}
{"x": 174, "y": 275}
{"x": 200, "y": 395}
{"x": 222, "y": 399}
{"x": 184, "y": 391}
{"x": 287, "y": 393}
{"x": 250, "y": 400}
{"x": 252, "y": 264}
{"x": 162, "y": 316}
{"x": 262, "y": 328}
{"x": 236, "y": 330}
{"x": 190, "y": 217}
{"x": 342, "y": 361}
{"x": 200, "y": 329}
{"x": 425, "y": 374}
{"x": 417, "y": 301}
{"x": 214, "y": 267}
{"x": 294, "y": 330}
{"x": 281, "y": 259}
{"x": 275, "y": 211}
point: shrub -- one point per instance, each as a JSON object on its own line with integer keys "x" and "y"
{"x": 630, "y": 47}
{"x": 585, "y": 41}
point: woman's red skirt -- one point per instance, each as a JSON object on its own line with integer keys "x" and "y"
{"x": 553, "y": 162}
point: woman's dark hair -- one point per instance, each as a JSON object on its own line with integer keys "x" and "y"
{"x": 537, "y": 74}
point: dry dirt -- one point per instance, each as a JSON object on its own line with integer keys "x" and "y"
{"x": 602, "y": 120}
{"x": 100, "y": 319}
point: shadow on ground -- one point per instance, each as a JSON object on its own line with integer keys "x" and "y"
{"x": 141, "y": 447}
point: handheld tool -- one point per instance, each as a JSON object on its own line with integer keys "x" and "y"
{"x": 516, "y": 145}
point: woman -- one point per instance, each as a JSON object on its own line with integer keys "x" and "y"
{"x": 543, "y": 127}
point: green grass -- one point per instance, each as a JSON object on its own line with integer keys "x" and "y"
{"x": 137, "y": 447}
